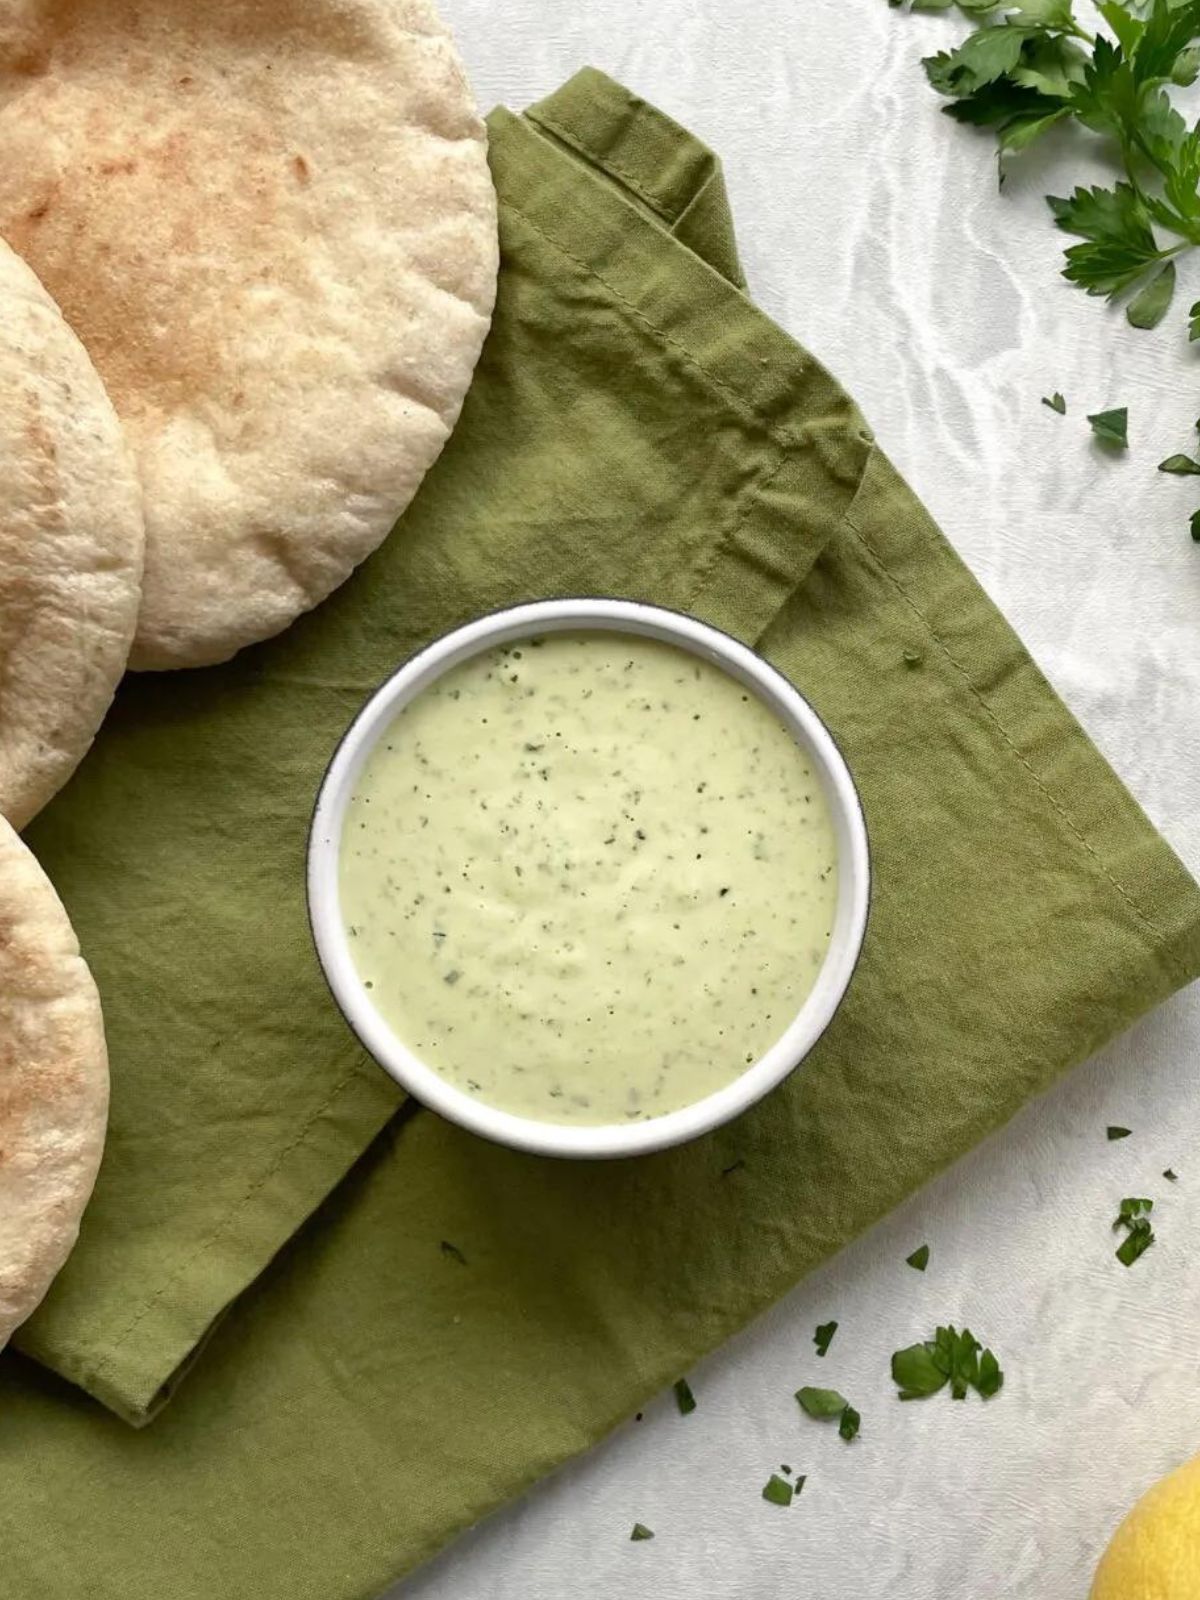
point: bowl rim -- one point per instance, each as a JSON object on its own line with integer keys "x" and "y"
{"x": 428, "y": 1087}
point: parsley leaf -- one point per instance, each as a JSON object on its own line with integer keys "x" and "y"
{"x": 1001, "y": 104}
{"x": 1118, "y": 1133}
{"x": 919, "y": 1258}
{"x": 1127, "y": 27}
{"x": 1046, "y": 13}
{"x": 1056, "y": 403}
{"x": 1167, "y": 31}
{"x": 1171, "y": 1177}
{"x": 916, "y": 1373}
{"x": 1180, "y": 466}
{"x": 991, "y": 1379}
{"x": 453, "y": 1253}
{"x": 641, "y": 1531}
{"x": 777, "y": 1490}
{"x": 1112, "y": 427}
{"x": 684, "y": 1398}
{"x": 1149, "y": 306}
{"x": 958, "y": 1356}
{"x": 823, "y": 1337}
{"x": 825, "y": 1404}
{"x": 951, "y": 1358}
{"x": 1136, "y": 1243}
{"x": 985, "y": 55}
{"x": 1195, "y": 526}
{"x": 821, "y": 1403}
{"x": 1120, "y": 246}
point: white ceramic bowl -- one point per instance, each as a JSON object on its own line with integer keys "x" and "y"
{"x": 549, "y": 1138}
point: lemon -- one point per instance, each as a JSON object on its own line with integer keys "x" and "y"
{"x": 1155, "y": 1553}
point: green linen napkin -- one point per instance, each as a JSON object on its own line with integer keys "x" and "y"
{"x": 637, "y": 427}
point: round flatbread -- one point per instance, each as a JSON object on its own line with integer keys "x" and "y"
{"x": 272, "y": 224}
{"x": 71, "y": 537}
{"x": 53, "y": 1083}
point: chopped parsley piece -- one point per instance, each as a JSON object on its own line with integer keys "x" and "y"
{"x": 951, "y": 1358}
{"x": 1119, "y": 1133}
{"x": 919, "y": 1258}
{"x": 453, "y": 1252}
{"x": 777, "y": 1490}
{"x": 916, "y": 1373}
{"x": 1171, "y": 1177}
{"x": 1134, "y": 1216}
{"x": 825, "y": 1405}
{"x": 801, "y": 1480}
{"x": 990, "y": 1377}
{"x": 684, "y": 1398}
{"x": 1056, "y": 403}
{"x": 1180, "y": 466}
{"x": 821, "y": 1403}
{"x": 1112, "y": 427}
{"x": 1135, "y": 1244}
{"x": 641, "y": 1531}
{"x": 823, "y": 1337}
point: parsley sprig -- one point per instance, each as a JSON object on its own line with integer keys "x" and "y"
{"x": 1029, "y": 65}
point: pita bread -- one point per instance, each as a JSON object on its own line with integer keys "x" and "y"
{"x": 53, "y": 1083}
{"x": 272, "y": 224}
{"x": 71, "y": 538}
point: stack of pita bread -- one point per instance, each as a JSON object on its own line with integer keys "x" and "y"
{"x": 247, "y": 263}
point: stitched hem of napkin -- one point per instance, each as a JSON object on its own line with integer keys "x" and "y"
{"x": 657, "y": 160}
{"x": 817, "y": 440}
{"x": 135, "y": 1373}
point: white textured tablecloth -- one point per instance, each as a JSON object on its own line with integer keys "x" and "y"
{"x": 871, "y": 228}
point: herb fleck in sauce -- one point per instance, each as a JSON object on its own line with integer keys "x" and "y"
{"x": 589, "y": 880}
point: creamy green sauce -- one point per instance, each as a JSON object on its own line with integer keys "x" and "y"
{"x": 588, "y": 877}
